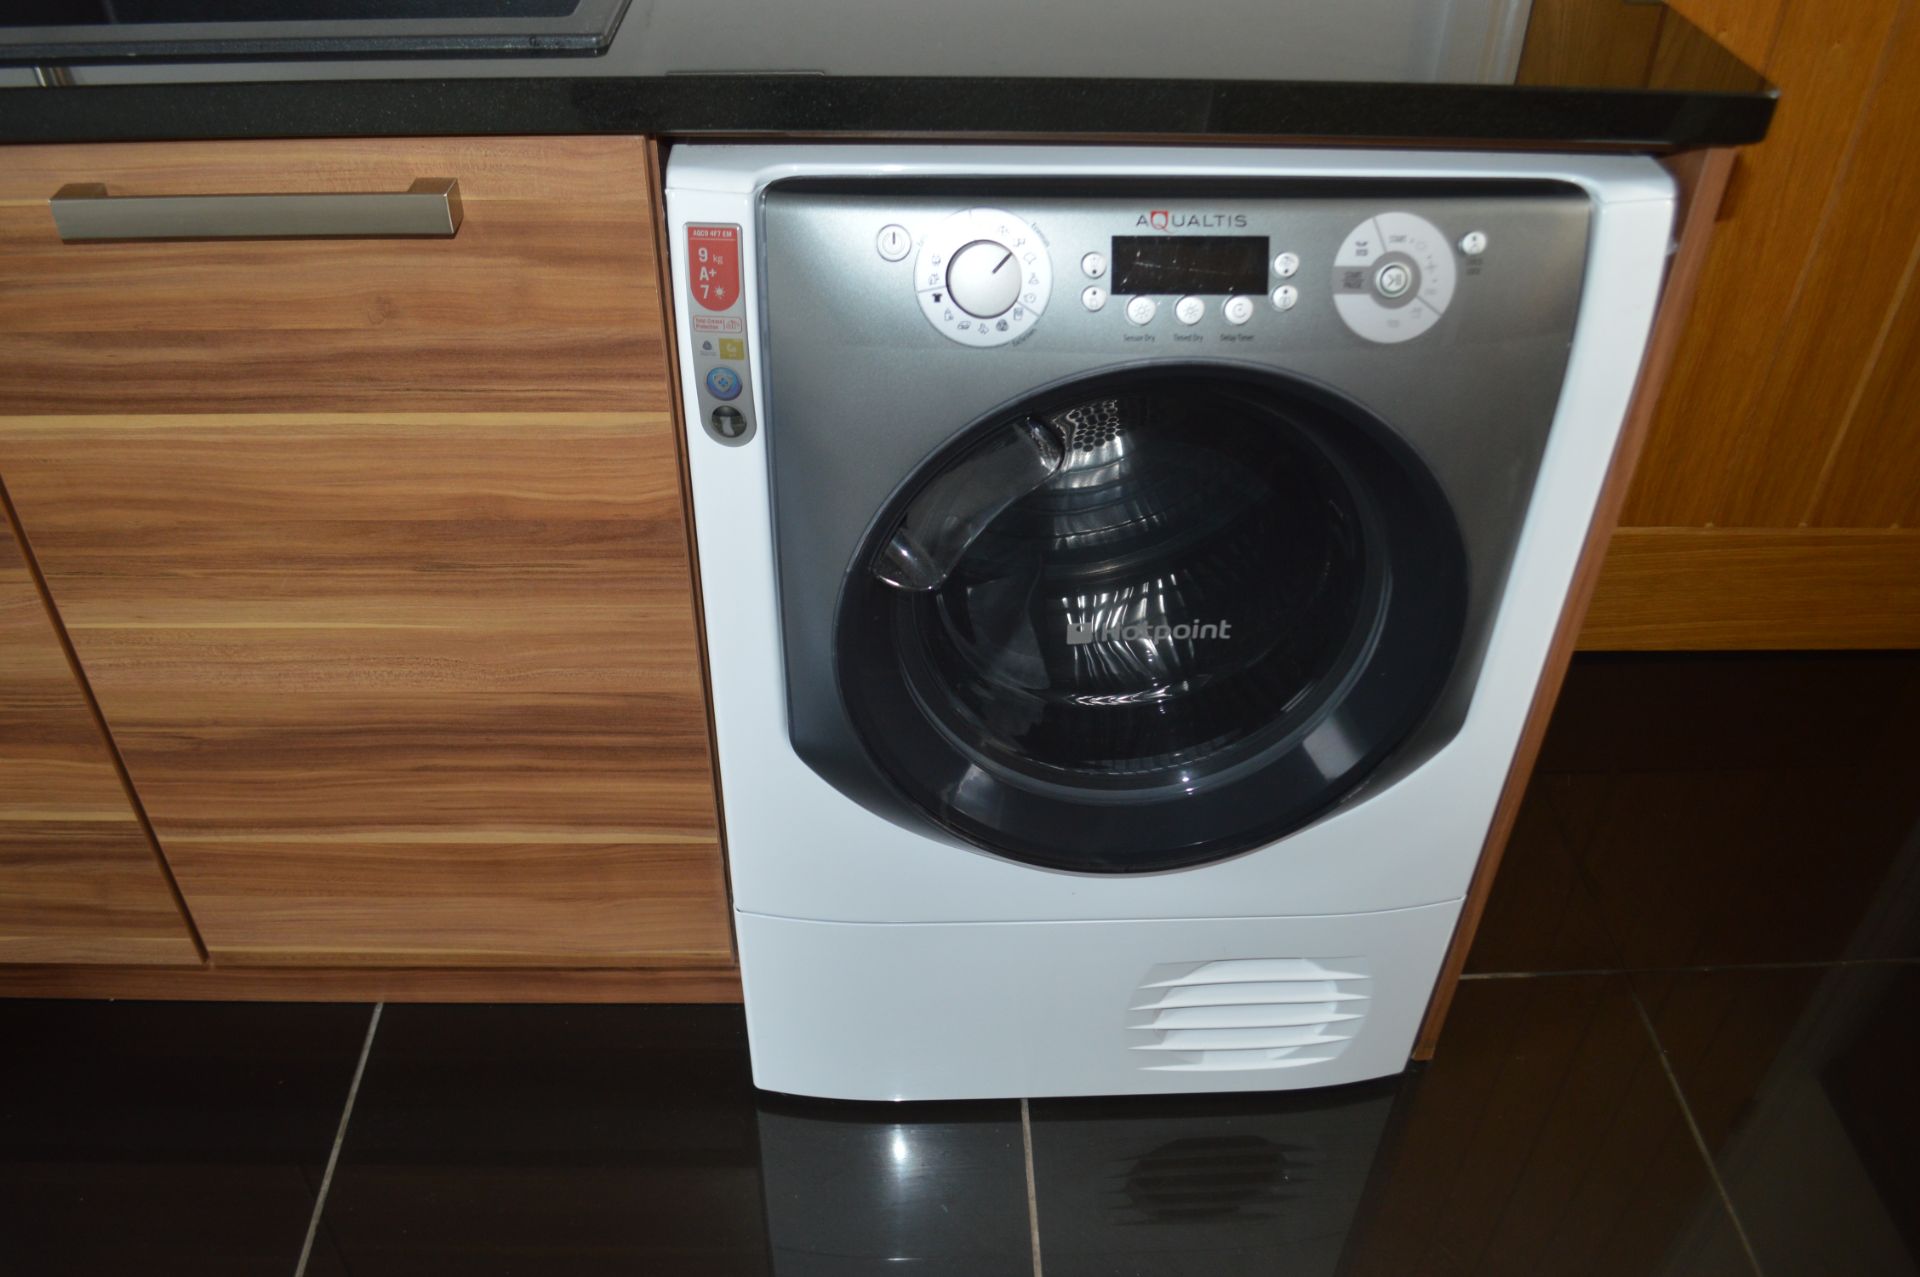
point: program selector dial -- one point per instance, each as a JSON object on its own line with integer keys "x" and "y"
{"x": 983, "y": 277}
{"x": 1393, "y": 277}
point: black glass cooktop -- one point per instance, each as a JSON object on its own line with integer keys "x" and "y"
{"x": 44, "y": 13}
{"x": 79, "y": 31}
{"x": 1614, "y": 44}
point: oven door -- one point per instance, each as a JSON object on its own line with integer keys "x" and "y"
{"x": 1151, "y": 619}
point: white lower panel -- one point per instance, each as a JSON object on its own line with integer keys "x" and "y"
{"x": 935, "y": 1011}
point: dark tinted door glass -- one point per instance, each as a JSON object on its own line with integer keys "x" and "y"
{"x": 1105, "y": 632}
{"x": 1187, "y": 578}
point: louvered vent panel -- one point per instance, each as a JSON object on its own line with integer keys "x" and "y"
{"x": 1248, "y": 1013}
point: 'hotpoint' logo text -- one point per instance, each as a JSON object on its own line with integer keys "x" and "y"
{"x": 1163, "y": 219}
{"x": 1082, "y": 633}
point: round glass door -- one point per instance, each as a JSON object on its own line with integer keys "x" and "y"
{"x": 1153, "y": 619}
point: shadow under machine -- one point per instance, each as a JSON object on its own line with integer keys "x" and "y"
{"x": 1126, "y": 574}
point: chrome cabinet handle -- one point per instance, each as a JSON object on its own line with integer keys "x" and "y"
{"x": 429, "y": 208}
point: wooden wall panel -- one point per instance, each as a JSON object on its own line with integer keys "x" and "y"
{"x": 1579, "y": 42}
{"x": 1746, "y": 27}
{"x": 79, "y": 881}
{"x": 1713, "y": 443}
{"x": 1630, "y": 44}
{"x": 1681, "y": 58}
{"x": 377, "y": 560}
{"x": 1795, "y": 404}
{"x": 1872, "y": 477}
{"x": 1757, "y": 588}
{"x": 1810, "y": 384}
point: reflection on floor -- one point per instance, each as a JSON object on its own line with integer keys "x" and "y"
{"x": 1686, "y": 1047}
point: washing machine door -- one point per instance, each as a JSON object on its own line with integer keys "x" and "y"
{"x": 1152, "y": 618}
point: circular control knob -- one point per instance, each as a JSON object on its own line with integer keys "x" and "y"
{"x": 984, "y": 278}
{"x": 1393, "y": 277}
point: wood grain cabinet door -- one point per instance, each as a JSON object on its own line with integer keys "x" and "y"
{"x": 374, "y": 552}
{"x": 79, "y": 882}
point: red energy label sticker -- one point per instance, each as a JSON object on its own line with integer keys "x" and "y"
{"x": 713, "y": 259}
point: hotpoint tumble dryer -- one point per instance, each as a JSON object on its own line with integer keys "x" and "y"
{"x": 1125, "y": 573}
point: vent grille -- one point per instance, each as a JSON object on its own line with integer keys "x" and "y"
{"x": 1248, "y": 1013}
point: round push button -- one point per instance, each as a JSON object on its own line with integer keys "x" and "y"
{"x": 1093, "y": 297}
{"x": 1286, "y": 297}
{"x": 723, "y": 383}
{"x": 1286, "y": 264}
{"x": 1093, "y": 265}
{"x": 1473, "y": 243}
{"x": 1393, "y": 279}
{"x": 893, "y": 243}
{"x": 1188, "y": 310}
{"x": 1141, "y": 310}
{"x": 1238, "y": 310}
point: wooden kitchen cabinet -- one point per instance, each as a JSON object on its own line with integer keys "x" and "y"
{"x": 79, "y": 882}
{"x": 374, "y": 553}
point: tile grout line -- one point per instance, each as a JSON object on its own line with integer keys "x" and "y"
{"x": 1033, "y": 1198}
{"x": 1693, "y": 1128}
{"x": 339, "y": 1138}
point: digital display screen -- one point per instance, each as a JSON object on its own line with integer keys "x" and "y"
{"x": 1189, "y": 264}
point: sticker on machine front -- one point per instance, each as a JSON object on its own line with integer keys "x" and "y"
{"x": 713, "y": 252}
{"x": 722, "y": 390}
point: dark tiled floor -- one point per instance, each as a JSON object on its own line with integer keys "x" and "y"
{"x": 1717, "y": 811}
{"x": 549, "y": 1140}
{"x": 1801, "y": 1081}
{"x": 166, "y": 1137}
{"x": 1685, "y": 1049}
{"x": 856, "y": 1189}
{"x": 1218, "y": 1186}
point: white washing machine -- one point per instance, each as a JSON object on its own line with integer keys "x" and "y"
{"x": 1126, "y": 572}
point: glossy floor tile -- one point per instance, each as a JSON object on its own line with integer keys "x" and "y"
{"x": 1544, "y": 1138}
{"x": 550, "y": 1140}
{"x": 1700, "y": 711}
{"x": 1743, "y": 867}
{"x": 855, "y": 1189}
{"x": 1801, "y": 1081}
{"x": 1543, "y": 914}
{"x": 1717, "y": 810}
{"x": 1221, "y": 1186}
{"x": 161, "y": 1138}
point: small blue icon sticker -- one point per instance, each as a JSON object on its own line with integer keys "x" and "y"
{"x": 723, "y": 383}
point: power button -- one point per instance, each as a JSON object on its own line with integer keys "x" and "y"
{"x": 723, "y": 383}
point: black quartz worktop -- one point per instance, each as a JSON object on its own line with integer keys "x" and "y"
{"x": 1615, "y": 74}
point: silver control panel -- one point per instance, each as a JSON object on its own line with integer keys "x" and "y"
{"x": 1232, "y": 272}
